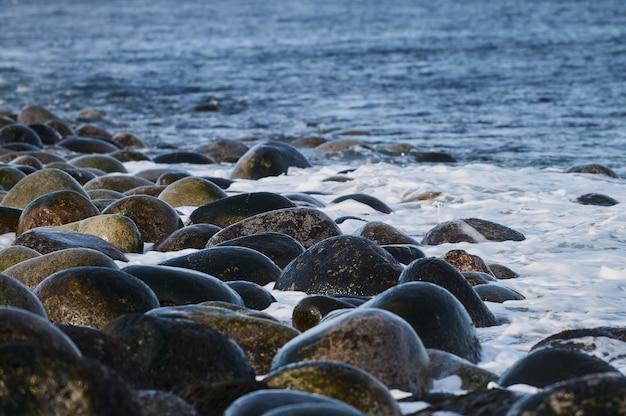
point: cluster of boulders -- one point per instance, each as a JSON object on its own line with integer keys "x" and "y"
{"x": 81, "y": 332}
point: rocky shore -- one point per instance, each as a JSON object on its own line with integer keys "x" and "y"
{"x": 84, "y": 332}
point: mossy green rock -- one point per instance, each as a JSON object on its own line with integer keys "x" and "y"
{"x": 373, "y": 340}
{"x": 117, "y": 230}
{"x": 31, "y": 272}
{"x": 40, "y": 183}
{"x": 259, "y": 338}
{"x": 340, "y": 381}
{"x": 93, "y": 296}
{"x": 14, "y": 293}
{"x": 192, "y": 192}
{"x": 56, "y": 208}
{"x": 13, "y": 255}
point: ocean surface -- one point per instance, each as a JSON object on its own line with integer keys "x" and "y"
{"x": 516, "y": 91}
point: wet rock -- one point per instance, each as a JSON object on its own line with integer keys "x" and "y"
{"x": 180, "y": 353}
{"x": 65, "y": 384}
{"x": 88, "y": 145}
{"x": 126, "y": 140}
{"x": 40, "y": 183}
{"x": 373, "y": 340}
{"x": 340, "y": 381}
{"x": 169, "y": 178}
{"x": 478, "y": 278}
{"x": 14, "y": 293}
{"x": 153, "y": 175}
{"x": 105, "y": 349}
{"x": 607, "y": 343}
{"x": 61, "y": 127}
{"x": 382, "y": 233}
{"x": 270, "y": 401}
{"x": 308, "y": 226}
{"x": 104, "y": 163}
{"x": 32, "y": 272}
{"x": 230, "y": 263}
{"x": 229, "y": 210}
{"x": 592, "y": 168}
{"x": 471, "y": 230}
{"x": 117, "y": 182}
{"x": 117, "y": 230}
{"x": 223, "y": 150}
{"x": 552, "y": 365}
{"x": 47, "y": 134}
{"x": 434, "y": 157}
{"x": 26, "y": 160}
{"x": 214, "y": 398}
{"x": 404, "y": 253}
{"x": 501, "y": 271}
{"x": 191, "y": 236}
{"x": 162, "y": 403}
{"x": 596, "y": 394}
{"x": 181, "y": 156}
{"x": 444, "y": 364}
{"x": 280, "y": 248}
{"x": 310, "y": 311}
{"x": 478, "y": 403}
{"x": 177, "y": 286}
{"x": 150, "y": 190}
{"x": 437, "y": 317}
{"x": 308, "y": 142}
{"x": 442, "y": 273}
{"x": 339, "y": 145}
{"x": 13, "y": 255}
{"x": 97, "y": 194}
{"x": 44, "y": 242}
{"x": 9, "y": 176}
{"x": 35, "y": 114}
{"x": 129, "y": 155}
{"x": 341, "y": 265}
{"x": 466, "y": 262}
{"x": 597, "y": 199}
{"x": 9, "y": 219}
{"x": 254, "y": 296}
{"x": 304, "y": 200}
{"x": 93, "y": 296}
{"x": 259, "y": 338}
{"x": 154, "y": 218}
{"x": 268, "y": 159}
{"x": 22, "y": 326}
{"x": 365, "y": 199}
{"x": 82, "y": 176}
{"x": 192, "y": 192}
{"x": 19, "y": 133}
{"x": 56, "y": 208}
{"x": 89, "y": 130}
{"x": 491, "y": 292}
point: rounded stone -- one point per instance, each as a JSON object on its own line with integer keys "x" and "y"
{"x": 466, "y": 262}
{"x": 117, "y": 182}
{"x": 501, "y": 271}
{"x": 56, "y": 208}
{"x": 230, "y": 263}
{"x": 442, "y": 273}
{"x": 597, "y": 199}
{"x": 61, "y": 127}
{"x": 190, "y": 236}
{"x": 14, "y": 293}
{"x": 104, "y": 163}
{"x": 89, "y": 130}
{"x": 223, "y": 150}
{"x": 169, "y": 178}
{"x": 162, "y": 403}
{"x": 19, "y": 133}
{"x": 473, "y": 378}
{"x": 9, "y": 219}
{"x": 151, "y": 190}
{"x": 547, "y": 366}
{"x": 365, "y": 199}
{"x": 438, "y": 318}
{"x": 35, "y": 114}
{"x": 592, "y": 168}
{"x": 9, "y": 176}
{"x": 128, "y": 140}
{"x": 259, "y": 338}
{"x": 47, "y": 134}
{"x": 31, "y": 272}
{"x": 27, "y": 160}
{"x": 280, "y": 248}
{"x": 491, "y": 292}
{"x": 177, "y": 286}
{"x": 254, "y": 296}
{"x": 373, "y": 340}
{"x": 310, "y": 310}
{"x": 93, "y": 296}
{"x": 88, "y": 145}
{"x": 478, "y": 278}
{"x": 268, "y": 159}
{"x": 338, "y": 380}
{"x": 40, "y": 183}
{"x": 227, "y": 211}
{"x": 470, "y": 230}
{"x": 404, "y": 253}
{"x": 384, "y": 234}
{"x": 192, "y": 192}
{"x": 181, "y": 156}
{"x": 603, "y": 342}
{"x": 343, "y": 264}
{"x": 129, "y": 155}
{"x": 154, "y": 218}
{"x": 13, "y": 255}
{"x": 179, "y": 353}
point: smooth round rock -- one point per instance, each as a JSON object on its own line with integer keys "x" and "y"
{"x": 310, "y": 310}
{"x": 19, "y": 133}
{"x": 592, "y": 168}
{"x": 177, "y": 286}
{"x": 444, "y": 364}
{"x": 9, "y": 176}
{"x": 341, "y": 265}
{"x": 223, "y": 150}
{"x": 470, "y": 230}
{"x": 117, "y": 182}
{"x": 89, "y": 130}
{"x": 104, "y": 163}
{"x": 478, "y": 278}
{"x": 27, "y": 160}
{"x": 162, "y": 403}
{"x": 151, "y": 190}
{"x": 40, "y": 183}
{"x": 230, "y": 263}
{"x": 254, "y": 296}
{"x": 268, "y": 159}
{"x": 596, "y": 199}
{"x": 501, "y": 271}
{"x": 280, "y": 248}
{"x": 404, "y": 253}
{"x": 438, "y": 318}
{"x": 338, "y": 380}
{"x": 191, "y": 192}
{"x": 227, "y": 211}
{"x": 180, "y": 353}
{"x": 9, "y": 219}
{"x": 126, "y": 140}
{"x": 47, "y": 134}
{"x": 491, "y": 292}
{"x": 155, "y": 219}
{"x": 603, "y": 342}
{"x": 32, "y": 272}
{"x": 88, "y": 145}
{"x": 190, "y": 236}
{"x": 180, "y": 156}
{"x": 93, "y": 296}
{"x": 35, "y": 114}
{"x": 13, "y": 255}
{"x": 442, "y": 273}
{"x": 373, "y": 340}
{"x": 365, "y": 199}
{"x": 383, "y": 234}
{"x": 466, "y": 262}
{"x": 14, "y": 293}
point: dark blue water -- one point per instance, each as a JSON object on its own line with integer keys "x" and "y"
{"x": 515, "y": 83}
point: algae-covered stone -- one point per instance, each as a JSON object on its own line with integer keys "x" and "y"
{"x": 117, "y": 182}
{"x": 39, "y": 183}
{"x": 180, "y": 353}
{"x": 338, "y": 380}
{"x": 374, "y": 340}
{"x": 382, "y": 233}
{"x": 93, "y": 296}
{"x": 190, "y": 236}
{"x": 154, "y": 218}
{"x": 471, "y": 230}
{"x": 268, "y": 159}
{"x": 13, "y": 255}
{"x": 14, "y": 293}
{"x": 104, "y": 163}
{"x": 31, "y": 272}
{"x": 259, "y": 338}
{"x": 56, "y": 208}
{"x": 191, "y": 191}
